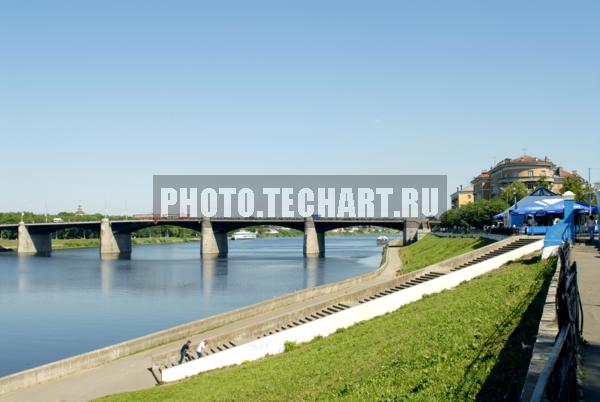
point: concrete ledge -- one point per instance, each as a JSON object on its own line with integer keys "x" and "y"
{"x": 547, "y": 332}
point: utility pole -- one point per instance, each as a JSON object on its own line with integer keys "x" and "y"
{"x": 591, "y": 188}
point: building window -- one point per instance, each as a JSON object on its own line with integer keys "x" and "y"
{"x": 530, "y": 173}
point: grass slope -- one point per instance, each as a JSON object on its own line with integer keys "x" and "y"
{"x": 433, "y": 249}
{"x": 463, "y": 344}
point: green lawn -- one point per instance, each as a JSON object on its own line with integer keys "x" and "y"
{"x": 433, "y": 249}
{"x": 463, "y": 344}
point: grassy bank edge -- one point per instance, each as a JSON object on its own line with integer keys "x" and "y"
{"x": 433, "y": 249}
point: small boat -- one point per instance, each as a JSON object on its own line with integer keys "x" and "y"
{"x": 243, "y": 235}
{"x": 382, "y": 240}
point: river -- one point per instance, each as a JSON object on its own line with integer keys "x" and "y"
{"x": 73, "y": 302}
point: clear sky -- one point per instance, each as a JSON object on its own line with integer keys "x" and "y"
{"x": 97, "y": 96}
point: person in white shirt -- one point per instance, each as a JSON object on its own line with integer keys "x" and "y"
{"x": 201, "y": 350}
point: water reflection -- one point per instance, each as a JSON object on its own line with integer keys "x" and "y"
{"x": 311, "y": 271}
{"x": 106, "y": 272}
{"x": 213, "y": 267}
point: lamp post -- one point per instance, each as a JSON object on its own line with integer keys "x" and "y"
{"x": 591, "y": 193}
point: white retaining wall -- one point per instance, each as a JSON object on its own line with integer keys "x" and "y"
{"x": 274, "y": 344}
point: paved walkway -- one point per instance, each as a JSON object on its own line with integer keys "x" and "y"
{"x": 588, "y": 266}
{"x": 130, "y": 373}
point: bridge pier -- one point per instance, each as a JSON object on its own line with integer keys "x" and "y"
{"x": 213, "y": 243}
{"x": 33, "y": 243}
{"x": 314, "y": 241}
{"x": 113, "y": 245}
{"x": 410, "y": 233}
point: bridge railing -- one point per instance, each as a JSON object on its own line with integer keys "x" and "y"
{"x": 317, "y": 218}
{"x": 558, "y": 379}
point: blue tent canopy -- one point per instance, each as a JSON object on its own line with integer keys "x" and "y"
{"x": 578, "y": 207}
{"x": 550, "y": 207}
{"x": 543, "y": 202}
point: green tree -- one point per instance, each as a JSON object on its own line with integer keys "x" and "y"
{"x": 450, "y": 218}
{"x": 478, "y": 214}
{"x": 542, "y": 181}
{"x": 508, "y": 193}
{"x": 580, "y": 188}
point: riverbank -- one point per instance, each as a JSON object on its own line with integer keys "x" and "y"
{"x": 455, "y": 345}
{"x": 61, "y": 244}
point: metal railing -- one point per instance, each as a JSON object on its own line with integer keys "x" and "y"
{"x": 558, "y": 379}
{"x": 280, "y": 218}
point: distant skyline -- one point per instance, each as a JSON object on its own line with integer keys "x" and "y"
{"x": 96, "y": 97}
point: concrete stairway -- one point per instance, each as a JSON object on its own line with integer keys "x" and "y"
{"x": 434, "y": 274}
{"x": 224, "y": 346}
{"x": 415, "y": 281}
{"x": 312, "y": 317}
{"x": 509, "y": 247}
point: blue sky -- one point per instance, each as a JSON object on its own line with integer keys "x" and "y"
{"x": 97, "y": 96}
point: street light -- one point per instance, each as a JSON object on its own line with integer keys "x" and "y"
{"x": 591, "y": 193}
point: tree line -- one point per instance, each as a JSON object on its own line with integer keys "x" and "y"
{"x": 480, "y": 213}
{"x": 78, "y": 233}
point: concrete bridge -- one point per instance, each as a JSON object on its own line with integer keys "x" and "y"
{"x": 115, "y": 236}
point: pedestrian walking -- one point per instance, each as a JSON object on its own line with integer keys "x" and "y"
{"x": 201, "y": 350}
{"x": 591, "y": 228}
{"x": 184, "y": 352}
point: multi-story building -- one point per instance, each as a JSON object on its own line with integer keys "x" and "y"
{"x": 527, "y": 169}
{"x": 462, "y": 196}
{"x": 482, "y": 186}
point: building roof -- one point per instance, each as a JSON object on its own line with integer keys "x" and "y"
{"x": 465, "y": 189}
{"x": 522, "y": 160}
{"x": 564, "y": 173}
{"x": 529, "y": 159}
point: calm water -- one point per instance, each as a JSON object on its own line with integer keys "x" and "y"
{"x": 72, "y": 302}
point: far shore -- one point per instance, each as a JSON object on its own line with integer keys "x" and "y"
{"x": 61, "y": 244}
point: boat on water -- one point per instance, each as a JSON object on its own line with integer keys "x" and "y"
{"x": 382, "y": 240}
{"x": 243, "y": 235}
